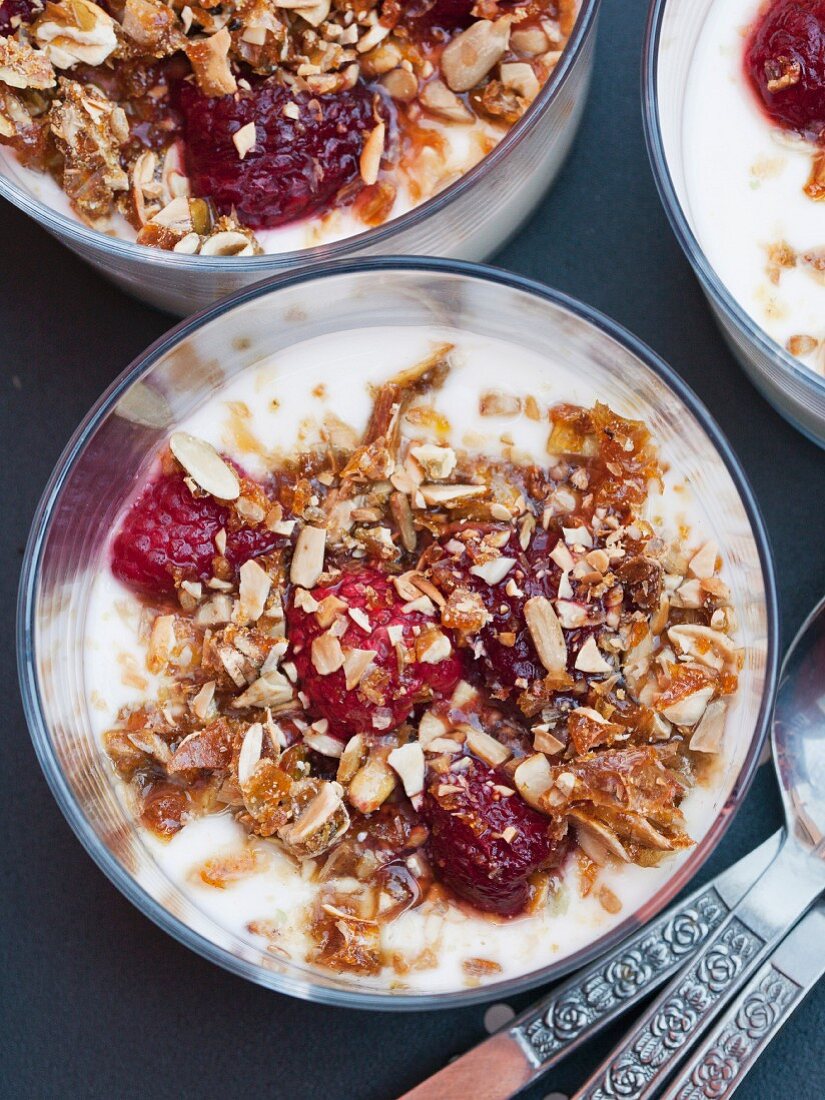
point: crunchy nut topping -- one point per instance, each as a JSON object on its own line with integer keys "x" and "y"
{"x": 521, "y": 77}
{"x": 371, "y": 154}
{"x": 371, "y": 785}
{"x": 327, "y": 654}
{"x": 437, "y": 98}
{"x": 533, "y": 778}
{"x": 486, "y": 748}
{"x": 356, "y": 664}
{"x": 253, "y": 591}
{"x": 205, "y": 466}
{"x": 244, "y": 139}
{"x": 250, "y": 754}
{"x": 408, "y": 763}
{"x": 590, "y": 659}
{"x": 493, "y": 571}
{"x": 709, "y": 733}
{"x": 436, "y": 461}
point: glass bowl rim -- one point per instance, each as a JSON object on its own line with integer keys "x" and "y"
{"x": 74, "y": 231}
{"x": 680, "y": 226}
{"x": 117, "y": 873}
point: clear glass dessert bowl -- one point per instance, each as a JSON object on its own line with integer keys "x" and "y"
{"x": 469, "y": 219}
{"x": 673, "y": 30}
{"x": 174, "y": 378}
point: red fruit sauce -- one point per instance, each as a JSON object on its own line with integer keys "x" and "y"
{"x": 785, "y": 63}
{"x": 350, "y": 711}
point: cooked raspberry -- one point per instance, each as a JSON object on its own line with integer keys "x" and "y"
{"x": 13, "y": 10}
{"x": 296, "y": 167}
{"x": 168, "y": 533}
{"x": 385, "y": 695}
{"x": 508, "y": 650}
{"x": 785, "y": 61}
{"x": 471, "y": 848}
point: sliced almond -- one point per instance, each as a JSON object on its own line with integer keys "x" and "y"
{"x": 710, "y": 732}
{"x": 596, "y": 839}
{"x": 437, "y": 462}
{"x": 253, "y": 591}
{"x": 431, "y": 727}
{"x": 322, "y": 807}
{"x": 205, "y": 466}
{"x": 201, "y": 703}
{"x": 250, "y": 754}
{"x": 245, "y": 139}
{"x": 446, "y": 494}
{"x": 703, "y": 562}
{"x": 493, "y": 571}
{"x": 353, "y": 756}
{"x": 327, "y": 654}
{"x": 162, "y": 642}
{"x": 308, "y": 558}
{"x": 371, "y": 785}
{"x": 545, "y": 630}
{"x": 486, "y": 748}
{"x": 437, "y": 648}
{"x": 408, "y": 763}
{"x": 469, "y": 56}
{"x": 521, "y": 77}
{"x": 373, "y": 150}
{"x": 689, "y": 710}
{"x": 544, "y": 741}
{"x": 323, "y": 743}
{"x": 590, "y": 659}
{"x": 356, "y": 663}
{"x": 437, "y": 98}
{"x": 533, "y": 778}
{"x": 571, "y": 614}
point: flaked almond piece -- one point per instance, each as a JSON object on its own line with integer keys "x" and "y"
{"x": 710, "y": 732}
{"x": 327, "y": 654}
{"x": 271, "y": 690}
{"x": 590, "y": 659}
{"x": 161, "y": 642}
{"x": 446, "y": 494}
{"x": 703, "y": 562}
{"x": 704, "y": 645}
{"x": 371, "y": 154}
{"x": 205, "y": 466}
{"x": 209, "y": 58}
{"x": 468, "y": 58}
{"x": 250, "y": 754}
{"x": 544, "y": 741}
{"x": 493, "y": 571}
{"x": 323, "y": 743}
{"x": 431, "y": 727}
{"x": 24, "y": 67}
{"x": 596, "y": 839}
{"x": 308, "y": 558}
{"x": 253, "y": 591}
{"x": 437, "y": 98}
{"x": 688, "y": 710}
{"x": 435, "y": 647}
{"x": 408, "y": 763}
{"x": 486, "y": 748}
{"x": 320, "y": 810}
{"x": 371, "y": 785}
{"x": 571, "y": 614}
{"x": 436, "y": 461}
{"x": 353, "y": 756}
{"x": 533, "y": 779}
{"x": 521, "y": 77}
{"x": 545, "y": 630}
{"x": 356, "y": 663}
{"x": 244, "y": 139}
{"x": 200, "y": 704}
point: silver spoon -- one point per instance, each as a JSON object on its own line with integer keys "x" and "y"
{"x": 641, "y": 1064}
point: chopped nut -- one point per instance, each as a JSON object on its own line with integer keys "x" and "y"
{"x": 161, "y": 642}
{"x": 435, "y": 649}
{"x": 327, "y": 654}
{"x": 703, "y": 562}
{"x": 437, "y": 462}
{"x": 244, "y": 139}
{"x": 250, "y": 754}
{"x": 356, "y": 663}
{"x": 371, "y": 154}
{"x": 353, "y": 756}
{"x": 321, "y": 824}
{"x": 709, "y": 733}
{"x": 590, "y": 659}
{"x": 521, "y": 77}
{"x": 23, "y": 67}
{"x": 469, "y": 56}
{"x": 253, "y": 591}
{"x": 437, "y": 98}
{"x": 372, "y": 785}
{"x": 209, "y": 58}
{"x": 533, "y": 778}
{"x": 688, "y": 710}
{"x": 408, "y": 763}
{"x": 308, "y": 558}
{"x": 202, "y": 702}
{"x": 486, "y": 748}
{"x": 545, "y": 630}
{"x": 596, "y": 839}
{"x": 493, "y": 571}
{"x": 544, "y": 741}
{"x": 447, "y": 494}
{"x": 323, "y": 743}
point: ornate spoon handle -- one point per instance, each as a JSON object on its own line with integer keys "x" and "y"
{"x": 581, "y": 1006}
{"x": 774, "y": 993}
{"x": 639, "y": 1067}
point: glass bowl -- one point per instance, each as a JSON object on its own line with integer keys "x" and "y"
{"x": 794, "y": 390}
{"x": 469, "y": 220}
{"x": 119, "y": 437}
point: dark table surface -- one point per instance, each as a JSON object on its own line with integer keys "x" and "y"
{"x": 99, "y": 1002}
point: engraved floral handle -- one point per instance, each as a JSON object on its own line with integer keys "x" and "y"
{"x": 575, "y": 1010}
{"x": 639, "y": 1067}
{"x": 721, "y": 1063}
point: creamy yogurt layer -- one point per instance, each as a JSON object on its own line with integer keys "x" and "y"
{"x": 746, "y": 200}
{"x": 249, "y": 884}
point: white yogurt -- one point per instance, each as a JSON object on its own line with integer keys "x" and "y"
{"x": 285, "y": 409}
{"x": 744, "y": 179}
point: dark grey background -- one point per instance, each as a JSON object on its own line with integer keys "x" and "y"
{"x": 100, "y": 1003}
